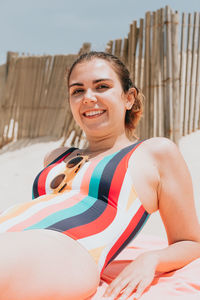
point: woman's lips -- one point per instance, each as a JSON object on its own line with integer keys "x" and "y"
{"x": 93, "y": 114}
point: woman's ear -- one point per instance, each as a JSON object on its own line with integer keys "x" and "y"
{"x": 130, "y": 98}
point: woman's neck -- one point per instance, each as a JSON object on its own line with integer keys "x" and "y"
{"x": 103, "y": 144}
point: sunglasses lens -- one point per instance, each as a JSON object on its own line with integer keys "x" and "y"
{"x": 57, "y": 181}
{"x": 74, "y": 161}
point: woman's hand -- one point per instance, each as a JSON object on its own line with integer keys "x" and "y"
{"x": 137, "y": 276}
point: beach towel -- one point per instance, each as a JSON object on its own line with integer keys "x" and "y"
{"x": 182, "y": 284}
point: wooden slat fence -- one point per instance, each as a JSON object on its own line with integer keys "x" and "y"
{"x": 35, "y": 98}
{"x": 162, "y": 52}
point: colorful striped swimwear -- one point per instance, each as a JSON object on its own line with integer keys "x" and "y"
{"x": 98, "y": 207}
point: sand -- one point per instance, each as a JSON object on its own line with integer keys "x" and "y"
{"x": 21, "y": 161}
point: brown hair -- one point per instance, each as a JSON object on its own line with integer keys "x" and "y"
{"x": 133, "y": 115}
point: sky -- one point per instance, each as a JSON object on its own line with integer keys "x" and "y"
{"x": 61, "y": 26}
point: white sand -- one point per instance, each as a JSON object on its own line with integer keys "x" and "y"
{"x": 21, "y": 161}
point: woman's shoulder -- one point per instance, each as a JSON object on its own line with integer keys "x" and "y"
{"x": 52, "y": 155}
{"x": 160, "y": 145}
{"x": 162, "y": 149}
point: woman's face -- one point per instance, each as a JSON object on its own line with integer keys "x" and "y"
{"x": 97, "y": 100}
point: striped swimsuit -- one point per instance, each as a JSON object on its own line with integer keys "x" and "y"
{"x": 100, "y": 208}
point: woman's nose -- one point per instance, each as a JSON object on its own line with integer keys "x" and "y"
{"x": 89, "y": 97}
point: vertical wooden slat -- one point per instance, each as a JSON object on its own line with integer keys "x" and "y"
{"x": 136, "y": 29}
{"x": 10, "y": 56}
{"x": 2, "y": 96}
{"x": 161, "y": 90}
{"x": 152, "y": 78}
{"x": 140, "y": 55}
{"x": 5, "y": 103}
{"x": 86, "y": 47}
{"x": 134, "y": 45}
{"x": 30, "y": 87}
{"x": 56, "y": 101}
{"x": 20, "y": 95}
{"x": 62, "y": 98}
{"x": 118, "y": 45}
{"x": 125, "y": 51}
{"x": 157, "y": 69}
{"x": 132, "y": 49}
{"x": 109, "y": 47}
{"x": 193, "y": 75}
{"x": 42, "y": 105}
{"x": 140, "y": 66}
{"x": 175, "y": 77}
{"x": 64, "y": 103}
{"x": 68, "y": 114}
{"x": 50, "y": 95}
{"x": 147, "y": 55}
{"x": 9, "y": 100}
{"x": 24, "y": 92}
{"x": 37, "y": 96}
{"x": 13, "y": 101}
{"x": 130, "y": 36}
{"x": 18, "y": 73}
{"x": 3, "y": 76}
{"x": 39, "y": 85}
{"x": 182, "y": 74}
{"x": 187, "y": 76}
{"x": 168, "y": 96}
{"x": 34, "y": 83}
{"x": 54, "y": 96}
{"x": 197, "y": 86}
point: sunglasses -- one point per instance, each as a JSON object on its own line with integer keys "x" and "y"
{"x": 59, "y": 183}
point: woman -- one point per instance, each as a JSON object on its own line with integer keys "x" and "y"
{"x": 94, "y": 201}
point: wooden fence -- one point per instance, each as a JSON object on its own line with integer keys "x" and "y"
{"x": 162, "y": 53}
{"x": 33, "y": 97}
{"x": 163, "y": 56}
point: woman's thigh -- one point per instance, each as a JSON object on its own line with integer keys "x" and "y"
{"x": 43, "y": 264}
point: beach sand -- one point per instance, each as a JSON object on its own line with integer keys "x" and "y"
{"x": 21, "y": 161}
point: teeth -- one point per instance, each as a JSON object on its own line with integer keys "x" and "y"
{"x": 93, "y": 113}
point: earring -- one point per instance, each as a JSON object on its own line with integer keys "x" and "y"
{"x": 128, "y": 106}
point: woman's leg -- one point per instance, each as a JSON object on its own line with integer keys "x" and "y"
{"x": 43, "y": 264}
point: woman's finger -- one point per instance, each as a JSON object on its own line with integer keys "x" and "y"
{"x": 116, "y": 288}
{"x": 129, "y": 289}
{"x": 141, "y": 287}
{"x": 121, "y": 279}
{"x": 118, "y": 281}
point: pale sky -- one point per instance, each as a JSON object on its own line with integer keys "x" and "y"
{"x": 61, "y": 26}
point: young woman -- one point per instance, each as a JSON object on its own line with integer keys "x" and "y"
{"x": 90, "y": 203}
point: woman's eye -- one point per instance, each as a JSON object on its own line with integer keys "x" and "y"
{"x": 102, "y": 86}
{"x": 78, "y": 91}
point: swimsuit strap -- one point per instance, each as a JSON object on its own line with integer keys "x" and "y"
{"x": 62, "y": 156}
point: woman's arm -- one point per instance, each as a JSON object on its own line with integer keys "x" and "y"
{"x": 177, "y": 210}
{"x": 176, "y": 206}
{"x": 176, "y": 256}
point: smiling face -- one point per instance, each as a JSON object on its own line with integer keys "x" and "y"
{"x": 96, "y": 97}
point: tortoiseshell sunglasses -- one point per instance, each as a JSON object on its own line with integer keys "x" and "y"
{"x": 59, "y": 183}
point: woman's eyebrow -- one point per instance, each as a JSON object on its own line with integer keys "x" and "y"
{"x": 102, "y": 79}
{"x": 76, "y": 83}
{"x": 94, "y": 81}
